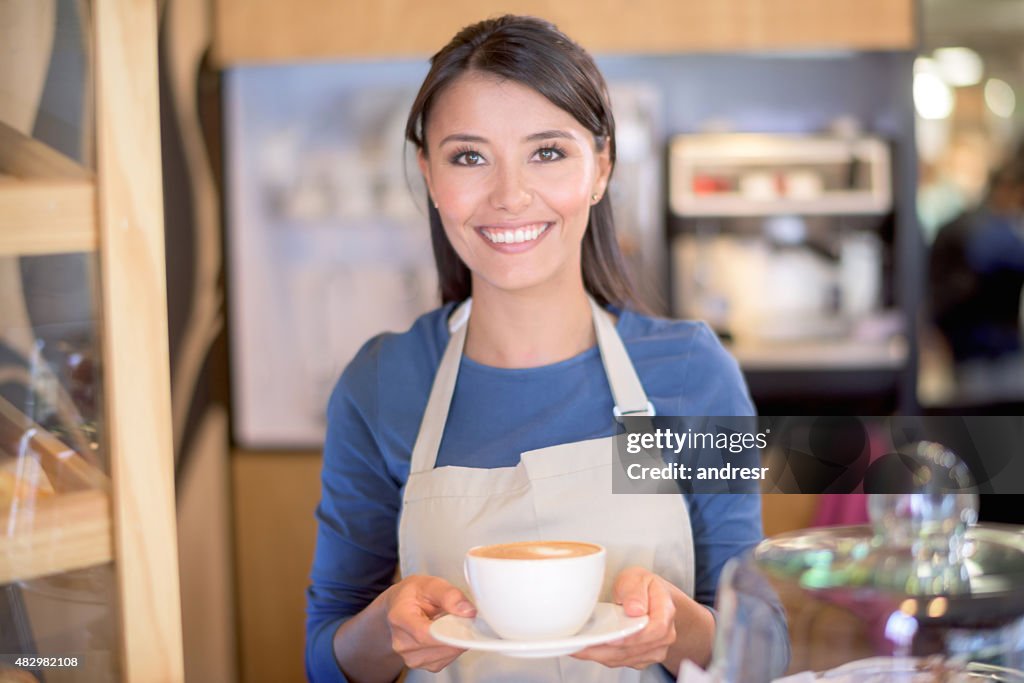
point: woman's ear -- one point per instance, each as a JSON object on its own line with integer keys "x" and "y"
{"x": 604, "y": 171}
{"x": 424, "y": 164}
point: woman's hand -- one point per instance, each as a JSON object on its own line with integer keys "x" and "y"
{"x": 411, "y": 605}
{"x": 640, "y": 592}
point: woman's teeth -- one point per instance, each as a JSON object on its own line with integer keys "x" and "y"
{"x": 527, "y": 233}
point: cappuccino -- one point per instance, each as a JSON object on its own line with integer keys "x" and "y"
{"x": 536, "y": 590}
{"x": 536, "y": 550}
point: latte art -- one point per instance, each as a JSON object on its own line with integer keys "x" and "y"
{"x": 536, "y": 550}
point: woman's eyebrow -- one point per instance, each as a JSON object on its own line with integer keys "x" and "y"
{"x": 533, "y": 137}
{"x": 548, "y": 134}
{"x": 462, "y": 137}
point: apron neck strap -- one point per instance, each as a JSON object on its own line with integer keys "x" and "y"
{"x": 628, "y": 393}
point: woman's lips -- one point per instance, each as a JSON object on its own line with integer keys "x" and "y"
{"x": 511, "y": 240}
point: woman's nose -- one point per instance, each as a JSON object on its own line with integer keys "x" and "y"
{"x": 511, "y": 191}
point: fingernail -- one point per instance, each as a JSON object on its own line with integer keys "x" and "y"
{"x": 465, "y": 606}
{"x": 634, "y": 606}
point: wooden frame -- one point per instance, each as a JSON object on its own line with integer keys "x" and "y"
{"x": 249, "y": 31}
{"x": 134, "y": 339}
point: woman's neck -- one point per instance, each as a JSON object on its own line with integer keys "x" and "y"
{"x": 528, "y": 329}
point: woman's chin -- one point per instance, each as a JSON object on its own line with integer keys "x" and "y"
{"x": 521, "y": 283}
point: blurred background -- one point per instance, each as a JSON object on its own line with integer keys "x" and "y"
{"x": 837, "y": 188}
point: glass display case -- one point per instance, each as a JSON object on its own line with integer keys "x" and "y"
{"x": 88, "y": 562}
{"x": 922, "y": 594}
{"x": 56, "y": 554}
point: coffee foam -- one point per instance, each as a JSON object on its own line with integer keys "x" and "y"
{"x": 536, "y": 550}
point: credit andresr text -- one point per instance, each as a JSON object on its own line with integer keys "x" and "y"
{"x": 637, "y": 471}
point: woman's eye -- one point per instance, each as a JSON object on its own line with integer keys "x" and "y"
{"x": 469, "y": 159}
{"x": 549, "y": 154}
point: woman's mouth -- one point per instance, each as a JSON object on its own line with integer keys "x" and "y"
{"x": 515, "y": 239}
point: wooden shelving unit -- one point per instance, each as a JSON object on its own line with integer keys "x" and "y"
{"x": 50, "y": 204}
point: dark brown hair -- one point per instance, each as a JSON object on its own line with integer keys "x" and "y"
{"x": 536, "y": 54}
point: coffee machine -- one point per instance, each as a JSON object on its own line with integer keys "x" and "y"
{"x": 776, "y": 237}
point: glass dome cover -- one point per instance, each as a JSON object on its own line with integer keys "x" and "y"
{"x": 920, "y": 594}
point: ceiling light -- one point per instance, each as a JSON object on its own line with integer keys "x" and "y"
{"x": 925, "y": 65}
{"x": 1000, "y": 98}
{"x": 933, "y": 99}
{"x": 960, "y": 66}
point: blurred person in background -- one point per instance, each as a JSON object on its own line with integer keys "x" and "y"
{"x": 956, "y": 182}
{"x": 976, "y": 273}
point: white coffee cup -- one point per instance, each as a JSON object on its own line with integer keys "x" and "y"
{"x": 536, "y": 590}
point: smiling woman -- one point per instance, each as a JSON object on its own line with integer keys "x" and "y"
{"x": 491, "y": 420}
{"x": 512, "y": 178}
{"x": 518, "y": 56}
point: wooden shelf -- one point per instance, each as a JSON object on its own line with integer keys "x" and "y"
{"x": 68, "y": 529}
{"x": 262, "y": 31}
{"x": 55, "y": 534}
{"x": 731, "y": 157}
{"x": 734, "y": 205}
{"x": 47, "y": 201}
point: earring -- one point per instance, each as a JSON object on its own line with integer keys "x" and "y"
{"x": 593, "y": 198}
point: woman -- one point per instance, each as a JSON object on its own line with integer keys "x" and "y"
{"x": 489, "y": 423}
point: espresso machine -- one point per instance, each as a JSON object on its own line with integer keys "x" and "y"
{"x": 775, "y": 237}
{"x": 779, "y": 243}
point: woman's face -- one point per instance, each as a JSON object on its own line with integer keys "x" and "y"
{"x": 513, "y": 177}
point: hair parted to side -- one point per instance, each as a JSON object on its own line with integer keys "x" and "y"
{"x": 536, "y": 54}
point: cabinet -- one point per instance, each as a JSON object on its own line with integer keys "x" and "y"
{"x": 88, "y": 559}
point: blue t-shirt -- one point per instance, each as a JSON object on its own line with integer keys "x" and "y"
{"x": 374, "y": 414}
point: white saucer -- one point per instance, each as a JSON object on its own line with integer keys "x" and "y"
{"x": 608, "y": 622}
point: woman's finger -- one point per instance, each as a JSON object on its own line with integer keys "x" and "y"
{"x": 637, "y": 589}
{"x": 408, "y": 616}
{"x": 661, "y": 613}
{"x": 440, "y": 597}
{"x": 411, "y": 612}
{"x": 453, "y": 601}
{"x": 630, "y": 590}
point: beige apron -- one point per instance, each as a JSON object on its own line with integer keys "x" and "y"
{"x": 560, "y": 492}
